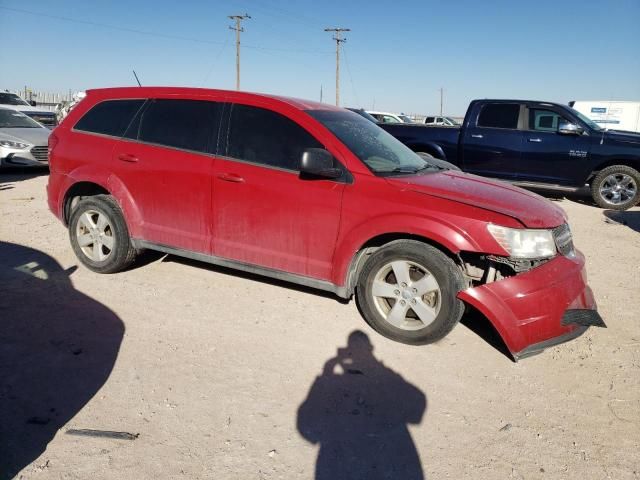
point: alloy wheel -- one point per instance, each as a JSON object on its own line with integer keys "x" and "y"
{"x": 94, "y": 234}
{"x": 406, "y": 294}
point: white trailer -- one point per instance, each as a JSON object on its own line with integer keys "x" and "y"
{"x": 611, "y": 114}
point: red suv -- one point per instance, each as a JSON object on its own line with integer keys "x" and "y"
{"x": 318, "y": 196}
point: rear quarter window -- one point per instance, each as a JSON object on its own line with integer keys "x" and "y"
{"x": 111, "y": 117}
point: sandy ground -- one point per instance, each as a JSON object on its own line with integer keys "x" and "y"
{"x": 225, "y": 375}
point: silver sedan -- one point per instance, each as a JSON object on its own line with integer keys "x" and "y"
{"x": 23, "y": 141}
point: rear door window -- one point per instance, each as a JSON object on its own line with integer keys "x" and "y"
{"x": 184, "y": 124}
{"x": 262, "y": 136}
{"x": 111, "y": 117}
{"x": 499, "y": 115}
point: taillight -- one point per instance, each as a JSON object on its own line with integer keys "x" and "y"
{"x": 53, "y": 141}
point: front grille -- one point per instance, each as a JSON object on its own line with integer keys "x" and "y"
{"x": 40, "y": 153}
{"x": 564, "y": 241}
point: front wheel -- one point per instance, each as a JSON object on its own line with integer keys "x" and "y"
{"x": 616, "y": 187}
{"x": 407, "y": 291}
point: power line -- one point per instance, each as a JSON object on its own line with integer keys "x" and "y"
{"x": 156, "y": 34}
{"x": 338, "y": 38}
{"x": 353, "y": 87}
{"x": 215, "y": 61}
{"x": 238, "y": 29}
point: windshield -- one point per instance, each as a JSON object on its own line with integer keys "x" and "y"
{"x": 11, "y": 99}
{"x": 590, "y": 123}
{"x": 381, "y": 152}
{"x": 13, "y": 119}
{"x": 451, "y": 121}
{"x": 405, "y": 119}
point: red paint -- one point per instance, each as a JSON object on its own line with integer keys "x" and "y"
{"x": 275, "y": 219}
{"x": 528, "y": 308}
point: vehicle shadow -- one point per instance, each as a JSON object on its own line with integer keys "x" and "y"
{"x": 12, "y": 175}
{"x": 57, "y": 349}
{"x": 630, "y": 218}
{"x": 481, "y": 326}
{"x": 582, "y": 196}
{"x": 358, "y": 410}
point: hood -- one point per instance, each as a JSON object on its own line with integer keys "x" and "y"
{"x": 532, "y": 210}
{"x": 34, "y": 136}
{"x": 622, "y": 136}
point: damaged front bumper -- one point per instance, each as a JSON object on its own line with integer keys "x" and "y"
{"x": 534, "y": 310}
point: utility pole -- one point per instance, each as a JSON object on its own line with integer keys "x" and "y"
{"x": 338, "y": 38}
{"x": 441, "y": 95}
{"x": 238, "y": 29}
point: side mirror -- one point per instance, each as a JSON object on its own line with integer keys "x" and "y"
{"x": 568, "y": 128}
{"x": 32, "y": 103}
{"x": 317, "y": 162}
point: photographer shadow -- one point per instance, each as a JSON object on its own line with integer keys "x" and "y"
{"x": 358, "y": 410}
{"x": 57, "y": 349}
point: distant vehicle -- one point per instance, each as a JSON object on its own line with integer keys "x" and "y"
{"x": 441, "y": 122}
{"x": 362, "y": 113}
{"x": 11, "y": 100}
{"x": 536, "y": 145}
{"x": 63, "y": 108}
{"x": 386, "y": 117}
{"x": 319, "y": 196}
{"x": 23, "y": 141}
{"x": 612, "y": 115}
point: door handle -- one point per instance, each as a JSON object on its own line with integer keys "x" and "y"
{"x": 536, "y": 140}
{"x": 127, "y": 157}
{"x": 477, "y": 136}
{"x": 231, "y": 177}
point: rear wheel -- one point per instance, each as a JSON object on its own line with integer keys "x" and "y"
{"x": 616, "y": 187}
{"x": 99, "y": 235}
{"x": 407, "y": 292}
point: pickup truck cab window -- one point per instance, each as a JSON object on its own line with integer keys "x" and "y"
{"x": 184, "y": 124}
{"x": 499, "y": 115}
{"x": 543, "y": 120}
{"x": 262, "y": 136}
{"x": 111, "y": 117}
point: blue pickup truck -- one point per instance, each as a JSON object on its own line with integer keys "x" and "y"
{"x": 537, "y": 145}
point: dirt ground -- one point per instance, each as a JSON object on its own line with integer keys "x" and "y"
{"x": 228, "y": 376}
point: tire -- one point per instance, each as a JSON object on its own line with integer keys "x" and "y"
{"x": 616, "y": 187}
{"x": 439, "y": 162}
{"x": 99, "y": 235}
{"x": 379, "y": 292}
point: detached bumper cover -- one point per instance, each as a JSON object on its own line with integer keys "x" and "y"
{"x": 545, "y": 306}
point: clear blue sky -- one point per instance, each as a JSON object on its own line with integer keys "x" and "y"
{"x": 398, "y": 54}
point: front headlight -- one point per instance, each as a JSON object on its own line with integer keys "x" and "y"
{"x": 9, "y": 144}
{"x": 523, "y": 243}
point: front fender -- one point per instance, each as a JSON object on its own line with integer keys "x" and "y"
{"x": 439, "y": 231}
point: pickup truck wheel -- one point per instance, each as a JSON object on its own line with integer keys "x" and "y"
{"x": 407, "y": 292}
{"x": 99, "y": 235}
{"x": 616, "y": 187}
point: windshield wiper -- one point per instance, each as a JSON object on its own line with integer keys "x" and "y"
{"x": 402, "y": 170}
